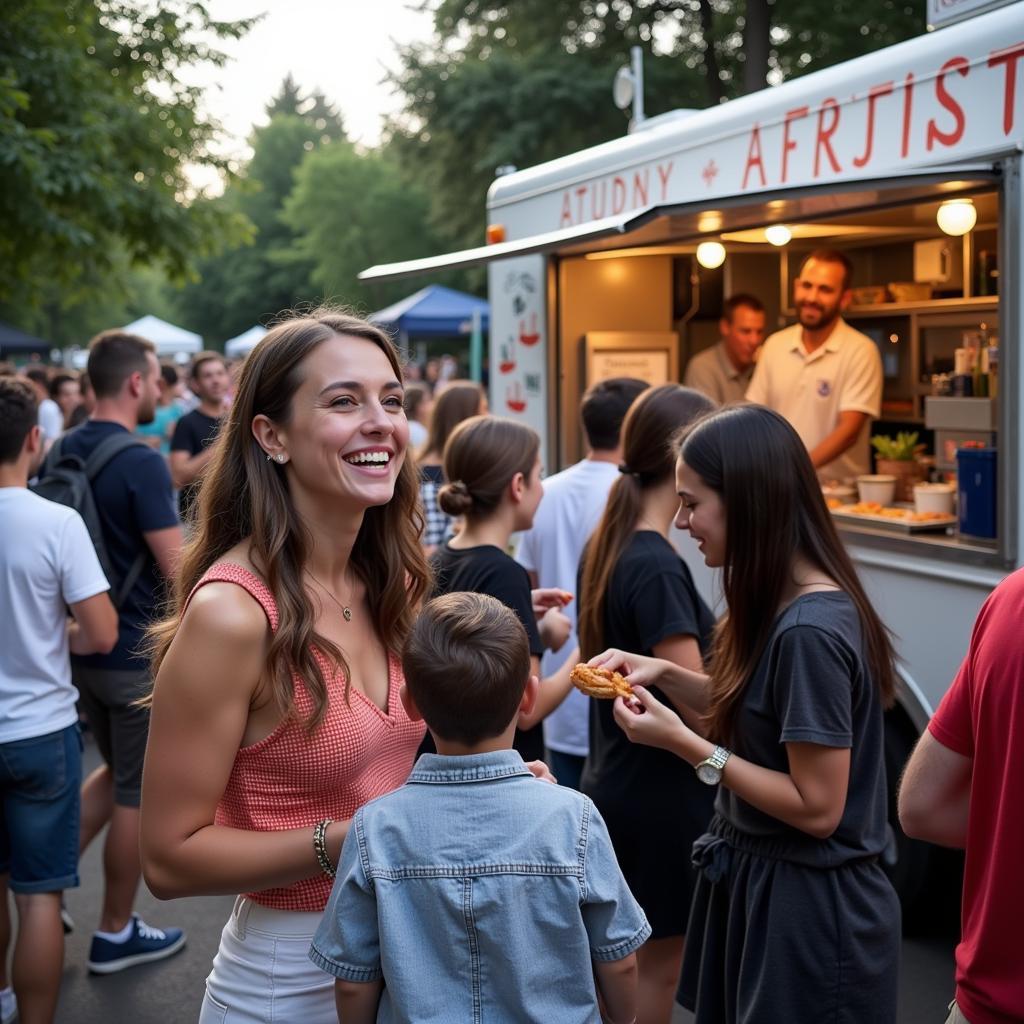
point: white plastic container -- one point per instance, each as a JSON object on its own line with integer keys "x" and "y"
{"x": 934, "y": 498}
{"x": 877, "y": 487}
{"x": 842, "y": 492}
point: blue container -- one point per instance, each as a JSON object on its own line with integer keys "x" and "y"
{"x": 976, "y": 483}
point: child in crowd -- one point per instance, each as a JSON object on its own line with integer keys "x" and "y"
{"x": 475, "y": 891}
{"x": 493, "y": 470}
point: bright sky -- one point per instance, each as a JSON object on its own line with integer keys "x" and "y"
{"x": 343, "y": 48}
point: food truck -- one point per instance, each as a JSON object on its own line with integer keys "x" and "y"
{"x": 909, "y": 161}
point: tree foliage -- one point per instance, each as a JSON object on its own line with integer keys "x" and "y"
{"x": 522, "y": 82}
{"x": 351, "y": 210}
{"x": 97, "y": 127}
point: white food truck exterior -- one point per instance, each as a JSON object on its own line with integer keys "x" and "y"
{"x": 935, "y": 114}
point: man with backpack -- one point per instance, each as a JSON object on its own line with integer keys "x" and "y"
{"x": 47, "y": 567}
{"x": 135, "y": 526}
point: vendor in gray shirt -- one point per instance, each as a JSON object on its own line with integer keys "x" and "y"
{"x": 723, "y": 371}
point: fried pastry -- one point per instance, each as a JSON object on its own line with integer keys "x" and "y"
{"x": 600, "y": 682}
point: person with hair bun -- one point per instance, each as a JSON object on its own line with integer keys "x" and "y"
{"x": 636, "y": 592}
{"x": 493, "y": 470}
{"x": 276, "y": 712}
{"x": 454, "y": 402}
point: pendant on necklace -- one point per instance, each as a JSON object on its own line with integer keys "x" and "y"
{"x": 347, "y": 612}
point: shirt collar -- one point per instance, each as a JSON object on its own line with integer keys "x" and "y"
{"x": 832, "y": 343}
{"x": 726, "y": 363}
{"x": 440, "y": 769}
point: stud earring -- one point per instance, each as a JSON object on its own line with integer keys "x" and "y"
{"x": 280, "y": 457}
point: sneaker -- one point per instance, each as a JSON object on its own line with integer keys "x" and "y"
{"x": 142, "y": 945}
{"x": 66, "y": 920}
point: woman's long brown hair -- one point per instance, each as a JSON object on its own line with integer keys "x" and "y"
{"x": 244, "y": 496}
{"x": 649, "y": 458}
{"x": 760, "y": 469}
{"x": 458, "y": 401}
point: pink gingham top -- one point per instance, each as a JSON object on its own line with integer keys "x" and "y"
{"x": 291, "y": 779}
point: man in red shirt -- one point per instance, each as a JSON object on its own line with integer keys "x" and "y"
{"x": 963, "y": 788}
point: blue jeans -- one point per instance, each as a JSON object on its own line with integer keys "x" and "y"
{"x": 40, "y": 778}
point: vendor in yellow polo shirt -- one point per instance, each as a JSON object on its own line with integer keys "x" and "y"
{"x": 821, "y": 374}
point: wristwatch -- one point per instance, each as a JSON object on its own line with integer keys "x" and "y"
{"x": 709, "y": 771}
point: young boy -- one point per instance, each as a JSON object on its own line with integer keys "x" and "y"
{"x": 476, "y": 892}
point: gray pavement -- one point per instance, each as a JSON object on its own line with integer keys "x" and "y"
{"x": 171, "y": 991}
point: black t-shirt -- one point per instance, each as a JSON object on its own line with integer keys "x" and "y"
{"x": 193, "y": 433}
{"x": 813, "y": 685}
{"x": 133, "y": 496}
{"x": 488, "y": 570}
{"x": 650, "y": 598}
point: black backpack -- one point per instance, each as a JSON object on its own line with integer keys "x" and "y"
{"x": 67, "y": 479}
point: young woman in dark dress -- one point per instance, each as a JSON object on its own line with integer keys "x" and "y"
{"x": 793, "y": 918}
{"x": 493, "y": 471}
{"x": 636, "y": 593}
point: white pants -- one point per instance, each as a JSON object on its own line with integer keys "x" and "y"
{"x": 262, "y": 973}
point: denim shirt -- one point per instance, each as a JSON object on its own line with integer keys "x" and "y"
{"x": 479, "y": 894}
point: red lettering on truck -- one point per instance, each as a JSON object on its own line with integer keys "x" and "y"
{"x": 618, "y": 194}
{"x": 787, "y": 143}
{"x": 640, "y": 188}
{"x": 908, "y": 104}
{"x": 874, "y": 93}
{"x": 1008, "y": 58}
{"x": 824, "y": 137}
{"x": 664, "y": 173}
{"x": 754, "y": 158}
{"x": 935, "y": 134}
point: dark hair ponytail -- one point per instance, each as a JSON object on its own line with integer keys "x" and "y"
{"x": 649, "y": 456}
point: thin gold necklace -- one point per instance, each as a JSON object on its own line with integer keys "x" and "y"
{"x": 346, "y": 611}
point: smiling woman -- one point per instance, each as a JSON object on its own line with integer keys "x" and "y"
{"x": 275, "y": 710}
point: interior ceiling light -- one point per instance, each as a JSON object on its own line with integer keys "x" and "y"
{"x": 710, "y": 254}
{"x": 956, "y": 216}
{"x": 778, "y": 234}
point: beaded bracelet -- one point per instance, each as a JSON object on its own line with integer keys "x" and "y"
{"x": 320, "y": 848}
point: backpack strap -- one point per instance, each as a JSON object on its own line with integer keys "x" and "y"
{"x": 99, "y": 457}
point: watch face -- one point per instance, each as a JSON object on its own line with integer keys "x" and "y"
{"x": 709, "y": 774}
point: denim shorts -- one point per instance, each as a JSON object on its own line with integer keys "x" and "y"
{"x": 40, "y": 778}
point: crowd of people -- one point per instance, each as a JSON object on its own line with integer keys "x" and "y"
{"x": 330, "y": 676}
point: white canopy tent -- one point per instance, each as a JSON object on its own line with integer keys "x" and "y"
{"x": 169, "y": 339}
{"x": 237, "y": 348}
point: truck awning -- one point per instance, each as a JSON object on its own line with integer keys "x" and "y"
{"x": 654, "y": 225}
{"x": 546, "y": 242}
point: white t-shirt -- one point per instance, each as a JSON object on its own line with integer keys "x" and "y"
{"x": 47, "y": 561}
{"x": 812, "y": 389}
{"x": 417, "y": 434}
{"x": 572, "y": 506}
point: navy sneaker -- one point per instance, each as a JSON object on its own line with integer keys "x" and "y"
{"x": 142, "y": 945}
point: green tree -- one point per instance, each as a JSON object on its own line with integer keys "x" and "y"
{"x": 250, "y": 282}
{"x": 97, "y": 130}
{"x": 314, "y": 109}
{"x": 520, "y": 83}
{"x": 350, "y": 210}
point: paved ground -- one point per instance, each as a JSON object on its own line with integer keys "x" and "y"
{"x": 170, "y": 992}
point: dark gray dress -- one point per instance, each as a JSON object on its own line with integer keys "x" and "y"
{"x": 785, "y": 927}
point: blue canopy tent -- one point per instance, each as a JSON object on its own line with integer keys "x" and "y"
{"x": 438, "y": 312}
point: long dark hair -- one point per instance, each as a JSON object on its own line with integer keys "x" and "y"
{"x": 757, "y": 464}
{"x": 245, "y": 496}
{"x": 649, "y": 458}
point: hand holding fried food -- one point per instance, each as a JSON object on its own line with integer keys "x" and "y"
{"x": 600, "y": 682}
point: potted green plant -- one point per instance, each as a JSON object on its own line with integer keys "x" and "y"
{"x": 898, "y": 457}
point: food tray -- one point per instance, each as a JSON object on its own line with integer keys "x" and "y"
{"x": 845, "y": 515}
